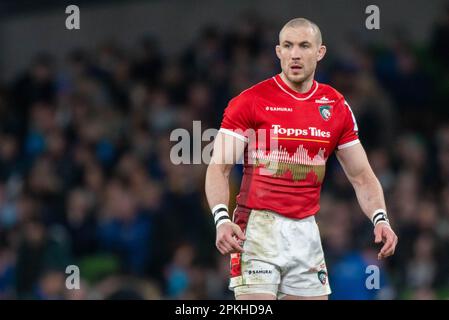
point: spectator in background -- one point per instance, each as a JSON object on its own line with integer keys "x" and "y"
{"x": 179, "y": 273}
{"x": 81, "y": 223}
{"x": 39, "y": 249}
{"x": 357, "y": 275}
{"x": 35, "y": 86}
{"x": 124, "y": 230}
{"x": 51, "y": 286}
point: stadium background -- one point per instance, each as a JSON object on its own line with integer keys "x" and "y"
{"x": 85, "y": 119}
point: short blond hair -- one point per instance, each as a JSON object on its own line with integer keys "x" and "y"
{"x": 302, "y": 22}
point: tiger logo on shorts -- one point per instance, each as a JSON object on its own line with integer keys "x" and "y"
{"x": 322, "y": 276}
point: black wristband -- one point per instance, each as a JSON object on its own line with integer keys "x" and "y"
{"x": 221, "y": 215}
{"x": 380, "y": 215}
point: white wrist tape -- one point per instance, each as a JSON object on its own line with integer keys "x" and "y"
{"x": 221, "y": 215}
{"x": 380, "y": 215}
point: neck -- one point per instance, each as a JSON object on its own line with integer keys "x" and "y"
{"x": 301, "y": 87}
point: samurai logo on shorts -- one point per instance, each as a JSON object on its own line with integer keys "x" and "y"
{"x": 322, "y": 276}
{"x": 325, "y": 112}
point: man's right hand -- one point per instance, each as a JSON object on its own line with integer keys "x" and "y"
{"x": 228, "y": 235}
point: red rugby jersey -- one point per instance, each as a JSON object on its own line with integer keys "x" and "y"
{"x": 290, "y": 136}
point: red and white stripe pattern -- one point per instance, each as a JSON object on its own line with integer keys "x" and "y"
{"x": 301, "y": 156}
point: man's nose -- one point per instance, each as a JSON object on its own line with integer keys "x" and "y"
{"x": 296, "y": 53}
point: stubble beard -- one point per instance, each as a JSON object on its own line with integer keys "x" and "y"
{"x": 298, "y": 80}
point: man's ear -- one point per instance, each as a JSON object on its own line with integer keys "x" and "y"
{"x": 278, "y": 51}
{"x": 321, "y": 52}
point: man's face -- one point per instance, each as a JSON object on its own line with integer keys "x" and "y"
{"x": 299, "y": 51}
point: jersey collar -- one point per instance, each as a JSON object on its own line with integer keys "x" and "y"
{"x": 294, "y": 94}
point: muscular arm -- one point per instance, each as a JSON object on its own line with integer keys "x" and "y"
{"x": 366, "y": 185}
{"x": 217, "y": 184}
{"x": 227, "y": 151}
{"x": 369, "y": 193}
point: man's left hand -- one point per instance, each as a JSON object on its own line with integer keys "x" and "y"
{"x": 384, "y": 233}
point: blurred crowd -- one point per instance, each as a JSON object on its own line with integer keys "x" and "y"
{"x": 86, "y": 177}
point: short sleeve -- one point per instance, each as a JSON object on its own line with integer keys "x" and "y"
{"x": 350, "y": 132}
{"x": 238, "y": 117}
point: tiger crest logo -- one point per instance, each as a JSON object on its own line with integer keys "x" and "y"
{"x": 325, "y": 112}
{"x": 322, "y": 276}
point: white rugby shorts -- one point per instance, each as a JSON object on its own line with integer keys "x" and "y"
{"x": 281, "y": 256}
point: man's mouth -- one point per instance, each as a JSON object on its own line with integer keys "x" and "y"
{"x": 296, "y": 67}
